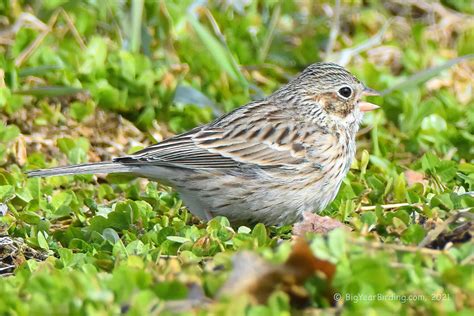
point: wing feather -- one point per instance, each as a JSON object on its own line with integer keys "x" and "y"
{"x": 248, "y": 135}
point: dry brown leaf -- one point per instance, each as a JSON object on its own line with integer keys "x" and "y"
{"x": 413, "y": 177}
{"x": 20, "y": 151}
{"x": 14, "y": 252}
{"x": 109, "y": 134}
{"x": 2, "y": 78}
{"x": 259, "y": 279}
{"x": 258, "y": 77}
{"x": 441, "y": 233}
{"x": 386, "y": 55}
{"x": 313, "y": 223}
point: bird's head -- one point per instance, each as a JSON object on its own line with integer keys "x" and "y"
{"x": 332, "y": 90}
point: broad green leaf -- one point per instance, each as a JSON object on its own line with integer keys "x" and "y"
{"x": 42, "y": 240}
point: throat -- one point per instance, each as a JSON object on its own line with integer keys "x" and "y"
{"x": 349, "y": 124}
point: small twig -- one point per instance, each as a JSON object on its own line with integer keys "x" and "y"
{"x": 388, "y": 206}
{"x": 45, "y": 30}
{"x": 405, "y": 266}
{"x": 30, "y": 49}
{"x": 364, "y": 130}
{"x": 73, "y": 29}
{"x": 169, "y": 257}
{"x": 433, "y": 234}
{"x": 395, "y": 247}
{"x": 345, "y": 56}
{"x": 467, "y": 260}
{"x": 334, "y": 29}
{"x": 38, "y": 40}
{"x": 23, "y": 20}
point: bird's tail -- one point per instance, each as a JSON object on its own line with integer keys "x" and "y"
{"x": 87, "y": 168}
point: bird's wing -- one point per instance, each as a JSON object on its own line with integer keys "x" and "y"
{"x": 258, "y": 134}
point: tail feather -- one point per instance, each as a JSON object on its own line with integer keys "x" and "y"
{"x": 87, "y": 168}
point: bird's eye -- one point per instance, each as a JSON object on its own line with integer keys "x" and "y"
{"x": 345, "y": 92}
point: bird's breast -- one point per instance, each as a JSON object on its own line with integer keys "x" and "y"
{"x": 332, "y": 160}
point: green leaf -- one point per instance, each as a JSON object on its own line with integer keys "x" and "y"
{"x": 80, "y": 110}
{"x": 364, "y": 161}
{"x": 178, "y": 239}
{"x": 170, "y": 290}
{"x": 4, "y": 96}
{"x": 446, "y": 170}
{"x": 108, "y": 96}
{"x": 337, "y": 243}
{"x": 414, "y": 234}
{"x": 466, "y": 167}
{"x": 60, "y": 199}
{"x": 9, "y": 133}
{"x": 399, "y": 188}
{"x": 42, "y": 240}
{"x": 260, "y": 234}
{"x": 369, "y": 218}
{"x": 6, "y": 192}
{"x": 94, "y": 56}
{"x": 65, "y": 144}
{"x": 110, "y": 235}
{"x": 429, "y": 162}
{"x": 30, "y": 217}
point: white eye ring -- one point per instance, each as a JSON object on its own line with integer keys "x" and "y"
{"x": 345, "y": 92}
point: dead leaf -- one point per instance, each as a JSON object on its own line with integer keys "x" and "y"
{"x": 386, "y": 55}
{"x": 461, "y": 234}
{"x": 441, "y": 234}
{"x": 316, "y": 224}
{"x": 2, "y": 78}
{"x": 13, "y": 252}
{"x": 412, "y": 177}
{"x": 20, "y": 150}
{"x": 258, "y": 278}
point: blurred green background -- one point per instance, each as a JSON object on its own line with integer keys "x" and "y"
{"x": 88, "y": 80}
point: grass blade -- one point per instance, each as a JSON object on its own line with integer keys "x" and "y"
{"x": 51, "y": 91}
{"x": 220, "y": 54}
{"x": 425, "y": 75}
{"x": 137, "y": 15}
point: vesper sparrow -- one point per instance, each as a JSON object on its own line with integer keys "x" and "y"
{"x": 267, "y": 161}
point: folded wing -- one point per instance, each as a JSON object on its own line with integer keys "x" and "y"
{"x": 258, "y": 134}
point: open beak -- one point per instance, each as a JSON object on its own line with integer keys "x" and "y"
{"x": 367, "y": 106}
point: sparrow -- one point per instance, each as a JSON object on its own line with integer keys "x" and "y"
{"x": 266, "y": 162}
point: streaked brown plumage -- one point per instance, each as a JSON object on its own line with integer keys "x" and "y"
{"x": 267, "y": 161}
